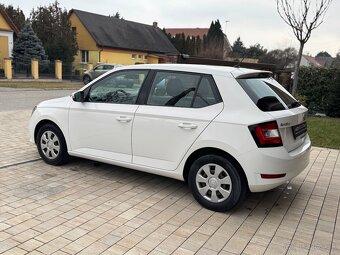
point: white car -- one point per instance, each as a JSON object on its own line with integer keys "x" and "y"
{"x": 224, "y": 130}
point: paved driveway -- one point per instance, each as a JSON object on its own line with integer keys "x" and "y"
{"x": 20, "y": 99}
{"x": 91, "y": 208}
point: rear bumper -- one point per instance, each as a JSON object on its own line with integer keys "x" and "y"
{"x": 274, "y": 161}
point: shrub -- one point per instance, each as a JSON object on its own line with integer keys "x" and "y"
{"x": 333, "y": 100}
{"x": 315, "y": 85}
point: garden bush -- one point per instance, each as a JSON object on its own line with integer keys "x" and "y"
{"x": 318, "y": 87}
{"x": 333, "y": 99}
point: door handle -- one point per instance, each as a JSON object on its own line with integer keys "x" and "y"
{"x": 187, "y": 126}
{"x": 123, "y": 119}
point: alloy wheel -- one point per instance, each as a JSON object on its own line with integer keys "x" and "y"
{"x": 50, "y": 145}
{"x": 213, "y": 183}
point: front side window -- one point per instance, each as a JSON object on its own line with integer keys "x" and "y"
{"x": 120, "y": 87}
{"x": 182, "y": 90}
{"x": 99, "y": 68}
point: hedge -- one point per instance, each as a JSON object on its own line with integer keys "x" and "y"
{"x": 320, "y": 90}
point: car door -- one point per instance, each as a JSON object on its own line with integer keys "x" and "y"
{"x": 101, "y": 126}
{"x": 178, "y": 108}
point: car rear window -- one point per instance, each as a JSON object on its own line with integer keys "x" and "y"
{"x": 268, "y": 94}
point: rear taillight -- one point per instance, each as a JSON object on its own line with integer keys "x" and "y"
{"x": 266, "y": 134}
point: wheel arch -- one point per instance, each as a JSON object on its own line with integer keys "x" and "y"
{"x": 210, "y": 150}
{"x": 87, "y": 75}
{"x": 42, "y": 123}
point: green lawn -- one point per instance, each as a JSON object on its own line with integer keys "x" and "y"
{"x": 41, "y": 85}
{"x": 324, "y": 132}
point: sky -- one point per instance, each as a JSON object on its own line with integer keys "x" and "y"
{"x": 255, "y": 21}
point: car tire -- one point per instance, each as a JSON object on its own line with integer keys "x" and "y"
{"x": 86, "y": 79}
{"x": 216, "y": 183}
{"x": 51, "y": 145}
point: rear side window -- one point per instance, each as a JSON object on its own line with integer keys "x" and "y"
{"x": 182, "y": 90}
{"x": 267, "y": 94}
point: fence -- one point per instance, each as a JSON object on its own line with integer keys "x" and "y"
{"x": 46, "y": 69}
{"x": 22, "y": 70}
{"x": 39, "y": 69}
{"x": 70, "y": 72}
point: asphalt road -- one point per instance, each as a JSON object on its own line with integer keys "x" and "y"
{"x": 20, "y": 99}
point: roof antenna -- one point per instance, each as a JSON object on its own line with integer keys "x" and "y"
{"x": 240, "y": 61}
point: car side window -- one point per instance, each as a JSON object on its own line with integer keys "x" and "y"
{"x": 120, "y": 87}
{"x": 99, "y": 68}
{"x": 108, "y": 67}
{"x": 173, "y": 89}
{"x": 205, "y": 95}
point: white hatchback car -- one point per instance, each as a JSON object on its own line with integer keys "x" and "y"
{"x": 224, "y": 130}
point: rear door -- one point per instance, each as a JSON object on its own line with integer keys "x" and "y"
{"x": 269, "y": 96}
{"x": 178, "y": 108}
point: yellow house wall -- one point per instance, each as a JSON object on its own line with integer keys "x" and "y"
{"x": 4, "y": 25}
{"x": 3, "y": 50}
{"x": 153, "y": 60}
{"x": 84, "y": 39}
{"x": 93, "y": 57}
{"x": 124, "y": 57}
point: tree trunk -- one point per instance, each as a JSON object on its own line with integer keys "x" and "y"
{"x": 297, "y": 70}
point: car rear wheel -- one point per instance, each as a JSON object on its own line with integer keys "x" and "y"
{"x": 216, "y": 183}
{"x": 51, "y": 145}
{"x": 86, "y": 79}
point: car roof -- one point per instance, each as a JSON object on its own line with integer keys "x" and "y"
{"x": 105, "y": 64}
{"x": 207, "y": 69}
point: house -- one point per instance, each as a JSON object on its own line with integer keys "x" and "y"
{"x": 108, "y": 39}
{"x": 323, "y": 62}
{"x": 309, "y": 61}
{"x": 7, "y": 31}
{"x": 201, "y": 32}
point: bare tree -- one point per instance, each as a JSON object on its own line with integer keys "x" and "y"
{"x": 303, "y": 19}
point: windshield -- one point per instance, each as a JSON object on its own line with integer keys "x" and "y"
{"x": 268, "y": 94}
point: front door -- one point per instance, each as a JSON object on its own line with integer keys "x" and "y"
{"x": 179, "y": 107}
{"x": 101, "y": 126}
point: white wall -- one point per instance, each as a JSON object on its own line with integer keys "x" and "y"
{"x": 304, "y": 62}
{"x": 10, "y": 41}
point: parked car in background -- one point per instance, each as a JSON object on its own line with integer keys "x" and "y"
{"x": 224, "y": 130}
{"x": 98, "y": 70}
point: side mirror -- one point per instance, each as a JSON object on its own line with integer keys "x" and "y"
{"x": 78, "y": 96}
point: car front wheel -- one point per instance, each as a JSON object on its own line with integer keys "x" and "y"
{"x": 216, "y": 183}
{"x": 51, "y": 145}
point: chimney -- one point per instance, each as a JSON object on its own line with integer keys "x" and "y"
{"x": 155, "y": 24}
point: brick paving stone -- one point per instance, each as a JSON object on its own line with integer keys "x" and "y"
{"x": 87, "y": 208}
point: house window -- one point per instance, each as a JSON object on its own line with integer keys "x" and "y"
{"x": 84, "y": 56}
{"x": 145, "y": 57}
{"x": 74, "y": 29}
{"x": 140, "y": 56}
{"x": 133, "y": 56}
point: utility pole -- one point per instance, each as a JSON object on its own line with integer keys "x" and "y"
{"x": 226, "y": 23}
